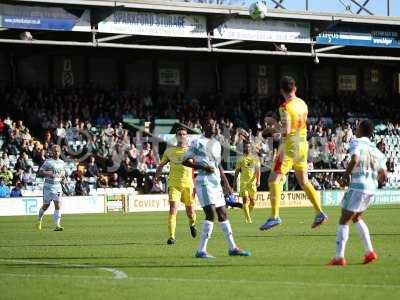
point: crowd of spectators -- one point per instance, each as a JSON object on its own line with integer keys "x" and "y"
{"x": 102, "y": 153}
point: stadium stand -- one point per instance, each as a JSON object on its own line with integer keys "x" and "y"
{"x": 102, "y": 153}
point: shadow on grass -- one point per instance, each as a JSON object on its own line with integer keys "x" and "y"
{"x": 87, "y": 244}
{"x": 207, "y": 264}
{"x": 313, "y": 235}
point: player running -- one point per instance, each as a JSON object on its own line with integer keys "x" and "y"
{"x": 53, "y": 169}
{"x": 368, "y": 171}
{"x": 248, "y": 166}
{"x": 180, "y": 185}
{"x": 204, "y": 155}
{"x": 292, "y": 152}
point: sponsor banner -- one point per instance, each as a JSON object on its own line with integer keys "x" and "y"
{"x": 334, "y": 198}
{"x": 288, "y": 199}
{"x": 42, "y": 18}
{"x": 26, "y": 206}
{"x": 264, "y": 31}
{"x": 360, "y": 37}
{"x": 387, "y": 197}
{"x": 155, "y": 202}
{"x": 147, "y": 23}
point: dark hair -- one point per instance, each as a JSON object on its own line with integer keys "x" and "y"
{"x": 367, "y": 128}
{"x": 180, "y": 129}
{"x": 287, "y": 84}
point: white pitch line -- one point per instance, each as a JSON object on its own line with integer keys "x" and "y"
{"x": 117, "y": 273}
{"x": 222, "y": 281}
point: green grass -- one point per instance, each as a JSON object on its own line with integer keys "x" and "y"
{"x": 287, "y": 262}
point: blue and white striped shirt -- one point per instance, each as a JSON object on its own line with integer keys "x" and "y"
{"x": 364, "y": 176}
{"x": 206, "y": 152}
{"x": 53, "y": 184}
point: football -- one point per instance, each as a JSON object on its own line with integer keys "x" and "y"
{"x": 258, "y": 10}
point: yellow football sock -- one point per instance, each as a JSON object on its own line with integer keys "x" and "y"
{"x": 246, "y": 212}
{"x": 192, "y": 219}
{"x": 172, "y": 225}
{"x": 313, "y": 195}
{"x": 275, "y": 190}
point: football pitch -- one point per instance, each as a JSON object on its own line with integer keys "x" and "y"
{"x": 125, "y": 256}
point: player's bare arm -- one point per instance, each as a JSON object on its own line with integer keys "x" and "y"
{"x": 258, "y": 176}
{"x": 344, "y": 181}
{"x": 237, "y": 171}
{"x": 159, "y": 170}
{"x": 191, "y": 164}
{"x": 225, "y": 181}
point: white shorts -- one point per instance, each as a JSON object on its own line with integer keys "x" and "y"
{"x": 49, "y": 196}
{"x": 210, "y": 195}
{"x": 356, "y": 201}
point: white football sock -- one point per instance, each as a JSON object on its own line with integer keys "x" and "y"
{"x": 342, "y": 235}
{"x": 226, "y": 228}
{"x": 41, "y": 213}
{"x": 206, "y": 232}
{"x": 57, "y": 217}
{"x": 364, "y": 234}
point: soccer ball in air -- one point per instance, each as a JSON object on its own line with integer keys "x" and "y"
{"x": 258, "y": 10}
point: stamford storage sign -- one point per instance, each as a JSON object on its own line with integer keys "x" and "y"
{"x": 146, "y": 23}
{"x": 42, "y": 18}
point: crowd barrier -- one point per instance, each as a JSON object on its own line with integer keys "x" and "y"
{"x": 26, "y": 206}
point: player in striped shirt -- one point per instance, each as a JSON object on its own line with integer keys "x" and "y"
{"x": 368, "y": 171}
{"x": 204, "y": 154}
{"x": 53, "y": 169}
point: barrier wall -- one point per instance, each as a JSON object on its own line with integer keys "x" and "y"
{"x": 382, "y": 197}
{"x": 25, "y": 206}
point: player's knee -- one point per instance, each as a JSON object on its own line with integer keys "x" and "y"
{"x": 356, "y": 218}
{"x": 222, "y": 217}
{"x": 210, "y": 216}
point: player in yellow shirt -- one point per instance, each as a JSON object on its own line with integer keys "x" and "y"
{"x": 292, "y": 153}
{"x": 180, "y": 184}
{"x": 248, "y": 165}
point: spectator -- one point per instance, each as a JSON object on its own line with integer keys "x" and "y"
{"x": 22, "y": 162}
{"x": 382, "y": 146}
{"x": 27, "y": 177}
{"x": 16, "y": 191}
{"x": 390, "y": 165}
{"x": 6, "y": 175}
{"x": 126, "y": 170}
{"x": 150, "y": 160}
{"x": 92, "y": 169}
{"x": 4, "y": 190}
{"x": 115, "y": 181}
{"x": 5, "y": 160}
{"x": 40, "y": 157}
